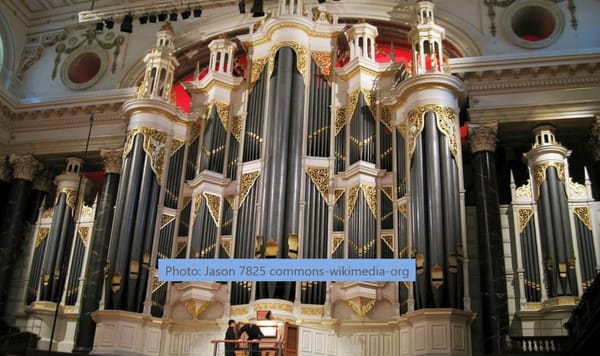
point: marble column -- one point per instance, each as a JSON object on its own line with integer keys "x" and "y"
{"x": 482, "y": 138}
{"x": 95, "y": 269}
{"x": 24, "y": 168}
{"x": 5, "y": 177}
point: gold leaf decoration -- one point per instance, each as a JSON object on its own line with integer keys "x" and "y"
{"x": 447, "y": 123}
{"x": 340, "y": 119}
{"x": 386, "y": 117}
{"x": 197, "y": 204}
{"x": 353, "y": 101}
{"x": 352, "y": 197}
{"x": 524, "y": 191}
{"x": 223, "y": 112}
{"x": 403, "y": 209}
{"x": 195, "y": 307}
{"x": 361, "y": 306}
{"x": 154, "y": 146}
{"x": 301, "y": 55}
{"x": 236, "y": 127}
{"x": 323, "y": 61}
{"x": 583, "y": 213}
{"x": 213, "y": 202}
{"x": 246, "y": 182}
{"x": 226, "y": 246}
{"x": 166, "y": 219}
{"x": 361, "y": 250}
{"x": 389, "y": 241}
{"x": 83, "y": 234}
{"x": 230, "y": 199}
{"x": 524, "y": 217}
{"x": 388, "y": 191}
{"x": 337, "y": 194}
{"x": 371, "y": 198}
{"x": 258, "y": 65}
{"x": 41, "y": 236}
{"x": 320, "y": 178}
{"x": 176, "y": 144}
{"x": 539, "y": 173}
{"x": 337, "y": 241}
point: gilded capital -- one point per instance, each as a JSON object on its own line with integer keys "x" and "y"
{"x": 24, "y": 166}
{"x": 483, "y": 137}
{"x": 112, "y": 159}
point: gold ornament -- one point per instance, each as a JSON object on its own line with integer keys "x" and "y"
{"x": 524, "y": 217}
{"x": 320, "y": 178}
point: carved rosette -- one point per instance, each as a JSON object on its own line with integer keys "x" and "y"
{"x": 24, "y": 166}
{"x": 112, "y": 158}
{"x": 483, "y": 137}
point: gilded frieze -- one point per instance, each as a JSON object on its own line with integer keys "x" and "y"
{"x": 320, "y": 178}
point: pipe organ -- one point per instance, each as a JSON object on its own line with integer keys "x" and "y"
{"x": 310, "y": 152}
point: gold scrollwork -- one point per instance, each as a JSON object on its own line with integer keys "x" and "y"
{"x": 340, "y": 119}
{"x": 353, "y": 100}
{"x": 576, "y": 189}
{"x": 223, "y": 112}
{"x": 361, "y": 250}
{"x": 583, "y": 213}
{"x": 226, "y": 246}
{"x": 524, "y": 191}
{"x": 70, "y": 197}
{"x": 83, "y": 234}
{"x": 337, "y": 194}
{"x": 361, "y": 306}
{"x": 323, "y": 61}
{"x": 301, "y": 55}
{"x": 403, "y": 209}
{"x": 540, "y": 173}
{"x": 274, "y": 306}
{"x": 316, "y": 311}
{"x": 166, "y": 219}
{"x": 446, "y": 120}
{"x": 41, "y": 236}
{"x": 370, "y": 193}
{"x": 236, "y": 127}
{"x": 320, "y": 178}
{"x": 237, "y": 311}
{"x": 48, "y": 213}
{"x": 246, "y": 182}
{"x": 388, "y": 191}
{"x": 195, "y": 308}
{"x": 337, "y": 241}
{"x": 213, "y": 202}
{"x": 258, "y": 65}
{"x": 197, "y": 204}
{"x": 386, "y": 117}
{"x": 176, "y": 144}
{"x": 389, "y": 241}
{"x": 524, "y": 218}
{"x": 154, "y": 145}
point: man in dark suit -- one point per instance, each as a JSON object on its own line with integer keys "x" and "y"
{"x": 254, "y": 334}
{"x": 230, "y": 334}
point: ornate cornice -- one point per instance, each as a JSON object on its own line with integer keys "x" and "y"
{"x": 24, "y": 166}
{"x": 112, "y": 158}
{"x": 483, "y": 137}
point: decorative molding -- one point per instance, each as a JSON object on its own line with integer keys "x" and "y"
{"x": 301, "y": 56}
{"x": 24, "y": 166}
{"x": 524, "y": 218}
{"x": 238, "y": 311}
{"x": 315, "y": 311}
{"x": 483, "y": 137}
{"x": 112, "y": 158}
{"x": 274, "y": 306}
{"x": 576, "y": 189}
{"x": 540, "y": 173}
{"x": 524, "y": 191}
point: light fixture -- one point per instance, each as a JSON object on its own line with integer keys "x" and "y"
{"x": 127, "y": 24}
{"x": 162, "y": 16}
{"x": 197, "y": 12}
{"x": 109, "y": 24}
{"x": 99, "y": 26}
{"x": 152, "y": 18}
{"x": 242, "y": 6}
{"x": 143, "y": 19}
{"x": 173, "y": 16}
{"x": 186, "y": 14}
